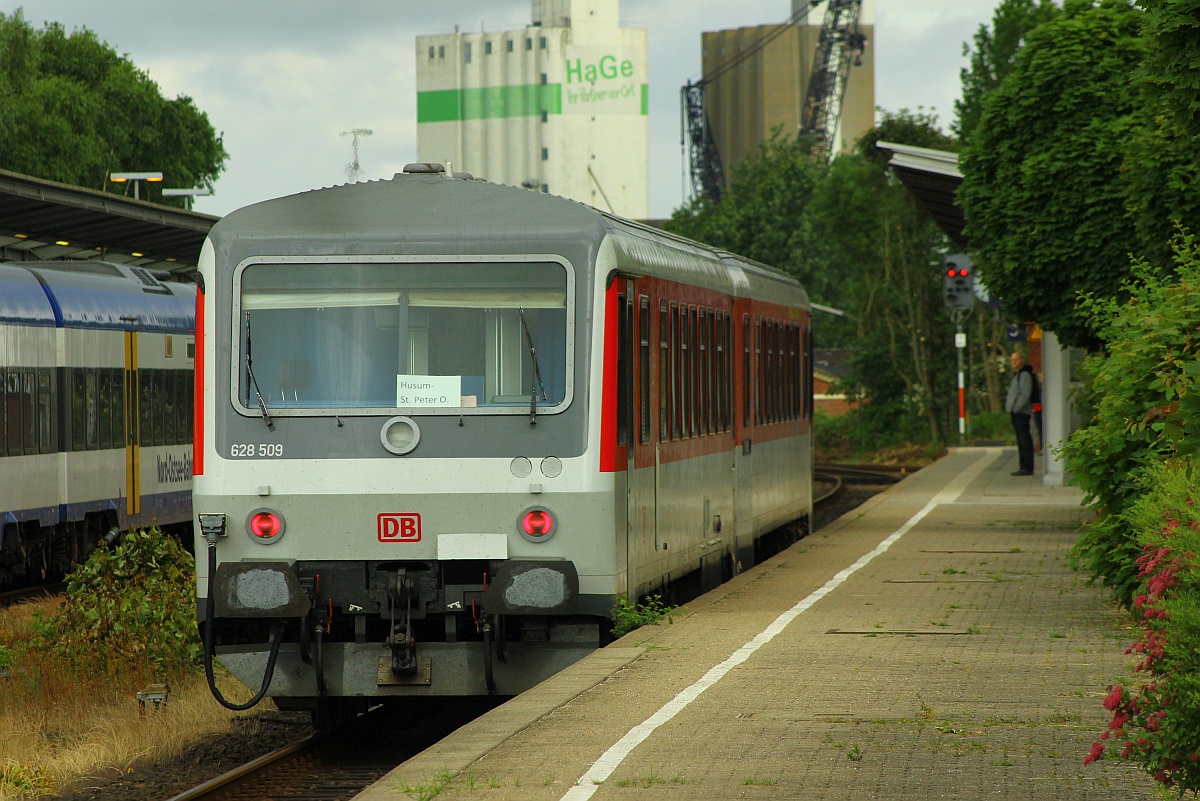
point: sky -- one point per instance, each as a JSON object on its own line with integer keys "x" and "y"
{"x": 281, "y": 80}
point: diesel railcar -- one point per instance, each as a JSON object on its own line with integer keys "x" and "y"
{"x": 96, "y": 377}
{"x": 445, "y": 423}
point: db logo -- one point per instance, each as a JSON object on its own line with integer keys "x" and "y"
{"x": 400, "y": 527}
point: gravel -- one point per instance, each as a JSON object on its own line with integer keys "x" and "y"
{"x": 251, "y": 737}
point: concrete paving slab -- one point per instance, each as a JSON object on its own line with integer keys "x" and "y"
{"x": 964, "y": 660}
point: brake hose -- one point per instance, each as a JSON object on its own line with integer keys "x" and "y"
{"x": 210, "y": 645}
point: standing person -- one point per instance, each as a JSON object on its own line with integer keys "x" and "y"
{"x": 1019, "y": 404}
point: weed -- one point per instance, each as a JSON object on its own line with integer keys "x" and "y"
{"x": 754, "y": 781}
{"x": 854, "y": 754}
{"x": 427, "y": 790}
{"x": 927, "y": 712}
{"x": 627, "y": 617}
{"x": 24, "y": 781}
{"x": 949, "y": 571}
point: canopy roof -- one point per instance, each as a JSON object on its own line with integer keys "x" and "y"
{"x": 932, "y": 177}
{"x": 45, "y": 220}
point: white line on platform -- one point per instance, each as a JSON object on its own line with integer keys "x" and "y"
{"x": 608, "y": 762}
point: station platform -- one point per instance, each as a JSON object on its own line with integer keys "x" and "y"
{"x": 933, "y": 643}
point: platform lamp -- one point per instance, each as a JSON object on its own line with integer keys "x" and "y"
{"x": 188, "y": 193}
{"x": 122, "y": 177}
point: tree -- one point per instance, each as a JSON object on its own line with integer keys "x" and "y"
{"x": 994, "y": 56}
{"x": 858, "y": 241}
{"x": 763, "y": 217}
{"x": 1162, "y": 160}
{"x": 1042, "y": 188}
{"x": 74, "y": 111}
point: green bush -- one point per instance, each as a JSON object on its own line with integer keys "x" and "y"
{"x": 1142, "y": 407}
{"x": 1157, "y": 719}
{"x": 129, "y": 607}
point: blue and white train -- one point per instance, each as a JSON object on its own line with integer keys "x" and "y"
{"x": 96, "y": 387}
{"x": 447, "y": 423}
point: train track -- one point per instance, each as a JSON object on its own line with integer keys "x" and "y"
{"x": 830, "y": 480}
{"x": 336, "y": 765}
{"x": 14, "y": 597}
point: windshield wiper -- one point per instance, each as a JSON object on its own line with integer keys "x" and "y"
{"x": 537, "y": 374}
{"x": 262, "y": 405}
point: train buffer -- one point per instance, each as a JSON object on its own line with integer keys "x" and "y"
{"x": 933, "y": 643}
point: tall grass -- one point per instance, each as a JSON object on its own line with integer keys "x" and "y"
{"x": 61, "y": 730}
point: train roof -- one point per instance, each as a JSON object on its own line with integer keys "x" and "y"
{"x": 436, "y": 214}
{"x": 94, "y": 295}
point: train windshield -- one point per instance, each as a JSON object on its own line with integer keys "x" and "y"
{"x": 420, "y": 337}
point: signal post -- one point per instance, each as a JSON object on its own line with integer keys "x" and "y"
{"x": 958, "y": 294}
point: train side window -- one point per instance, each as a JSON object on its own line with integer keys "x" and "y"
{"x": 182, "y": 436}
{"x": 760, "y": 369}
{"x": 145, "y": 393}
{"x": 664, "y": 359}
{"x": 189, "y": 408}
{"x": 693, "y": 375}
{"x": 104, "y": 400}
{"x": 684, "y": 372}
{"x": 164, "y": 407}
{"x": 167, "y": 406}
{"x": 746, "y": 371}
{"x": 675, "y": 351}
{"x": 77, "y": 388}
{"x": 644, "y": 371}
{"x": 116, "y": 384}
{"x": 91, "y": 411}
{"x": 709, "y": 384}
{"x": 729, "y": 367}
{"x": 45, "y": 401}
{"x": 775, "y": 369}
{"x": 29, "y": 411}
{"x": 793, "y": 372}
{"x": 701, "y": 383}
{"x": 721, "y": 354}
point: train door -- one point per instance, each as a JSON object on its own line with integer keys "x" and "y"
{"x": 133, "y": 500}
{"x": 634, "y": 430}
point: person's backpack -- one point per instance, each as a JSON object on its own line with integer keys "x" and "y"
{"x": 1035, "y": 396}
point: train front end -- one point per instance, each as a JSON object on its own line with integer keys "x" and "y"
{"x": 393, "y": 493}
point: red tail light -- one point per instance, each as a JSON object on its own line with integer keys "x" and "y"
{"x": 265, "y": 525}
{"x": 537, "y": 524}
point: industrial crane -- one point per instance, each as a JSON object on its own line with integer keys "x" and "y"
{"x": 840, "y": 43}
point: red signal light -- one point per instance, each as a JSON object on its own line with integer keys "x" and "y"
{"x": 951, "y": 272}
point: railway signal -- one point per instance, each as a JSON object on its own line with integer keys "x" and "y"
{"x": 958, "y": 282}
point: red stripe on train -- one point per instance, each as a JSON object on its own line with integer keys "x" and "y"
{"x": 612, "y": 457}
{"x": 198, "y": 391}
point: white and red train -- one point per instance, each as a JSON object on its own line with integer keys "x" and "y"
{"x": 446, "y": 423}
{"x": 96, "y": 378}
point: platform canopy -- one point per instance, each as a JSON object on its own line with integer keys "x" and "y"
{"x": 932, "y": 177}
{"x": 48, "y": 221}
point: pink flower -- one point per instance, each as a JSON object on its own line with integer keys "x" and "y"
{"x": 1115, "y": 697}
{"x": 1094, "y": 754}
